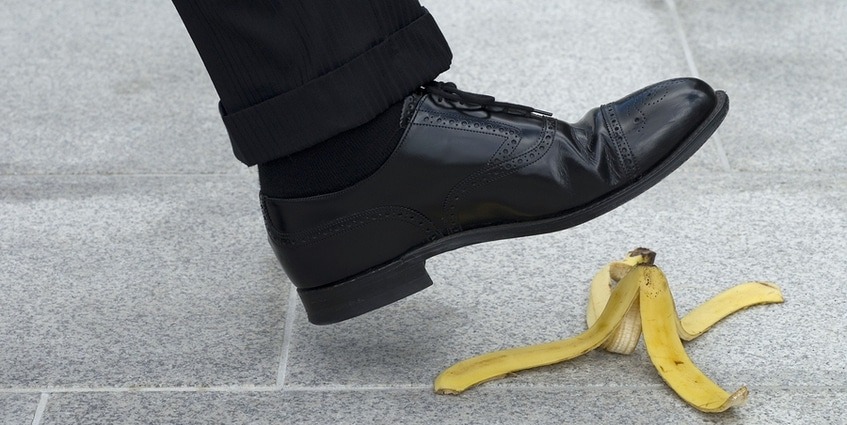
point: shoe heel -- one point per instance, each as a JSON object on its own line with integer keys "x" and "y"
{"x": 346, "y": 299}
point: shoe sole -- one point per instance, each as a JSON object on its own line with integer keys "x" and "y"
{"x": 407, "y": 274}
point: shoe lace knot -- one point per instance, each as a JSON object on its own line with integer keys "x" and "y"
{"x": 449, "y": 92}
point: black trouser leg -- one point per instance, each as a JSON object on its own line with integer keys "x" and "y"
{"x": 293, "y": 73}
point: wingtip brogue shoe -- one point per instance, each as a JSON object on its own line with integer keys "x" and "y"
{"x": 469, "y": 169}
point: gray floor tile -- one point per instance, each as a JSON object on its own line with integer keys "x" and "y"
{"x": 782, "y": 63}
{"x": 18, "y": 408}
{"x": 98, "y": 86}
{"x": 124, "y": 281}
{"x": 563, "y": 56}
{"x": 711, "y": 232}
{"x": 137, "y": 281}
{"x": 421, "y": 406}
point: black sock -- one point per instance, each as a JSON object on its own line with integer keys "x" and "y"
{"x": 336, "y": 163}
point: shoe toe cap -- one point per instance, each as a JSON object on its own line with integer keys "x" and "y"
{"x": 658, "y": 118}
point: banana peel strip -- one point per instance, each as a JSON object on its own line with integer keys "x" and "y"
{"x": 617, "y": 316}
{"x": 602, "y": 283}
{"x": 479, "y": 369}
{"x": 625, "y": 338}
{"x": 734, "y": 299}
{"x": 659, "y": 318}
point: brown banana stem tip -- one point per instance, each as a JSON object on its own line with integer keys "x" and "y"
{"x": 647, "y": 253}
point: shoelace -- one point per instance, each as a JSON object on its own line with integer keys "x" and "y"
{"x": 449, "y": 92}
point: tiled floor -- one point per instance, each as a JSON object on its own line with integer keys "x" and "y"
{"x": 137, "y": 285}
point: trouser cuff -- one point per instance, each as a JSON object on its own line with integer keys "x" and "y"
{"x": 341, "y": 99}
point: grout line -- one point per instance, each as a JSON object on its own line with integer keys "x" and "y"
{"x": 220, "y": 388}
{"x": 716, "y": 142}
{"x": 288, "y": 331}
{"x": 530, "y": 387}
{"x": 353, "y": 388}
{"x": 110, "y": 174}
{"x": 680, "y": 31}
{"x": 340, "y": 388}
{"x": 39, "y": 411}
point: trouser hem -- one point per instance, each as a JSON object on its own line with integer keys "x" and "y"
{"x": 341, "y": 99}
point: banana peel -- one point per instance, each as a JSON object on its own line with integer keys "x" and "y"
{"x": 629, "y": 298}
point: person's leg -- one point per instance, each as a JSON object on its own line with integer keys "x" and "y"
{"x": 316, "y": 85}
{"x": 360, "y": 186}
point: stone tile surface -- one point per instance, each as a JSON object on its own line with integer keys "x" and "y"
{"x": 127, "y": 295}
{"x": 782, "y": 63}
{"x": 563, "y": 56}
{"x": 98, "y": 86}
{"x": 17, "y": 408}
{"x": 421, "y": 406}
{"x": 137, "y": 281}
{"x": 711, "y": 232}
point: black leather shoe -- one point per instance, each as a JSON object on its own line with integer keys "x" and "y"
{"x": 469, "y": 170}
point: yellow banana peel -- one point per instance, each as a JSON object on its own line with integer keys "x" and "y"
{"x": 486, "y": 367}
{"x": 739, "y": 297}
{"x": 628, "y": 298}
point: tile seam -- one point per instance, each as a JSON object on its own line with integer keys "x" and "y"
{"x": 597, "y": 388}
{"x": 680, "y": 32}
{"x": 109, "y": 174}
{"x": 723, "y": 159}
{"x": 353, "y": 388}
{"x": 716, "y": 141}
{"x": 39, "y": 410}
{"x": 288, "y": 331}
{"x": 59, "y": 390}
